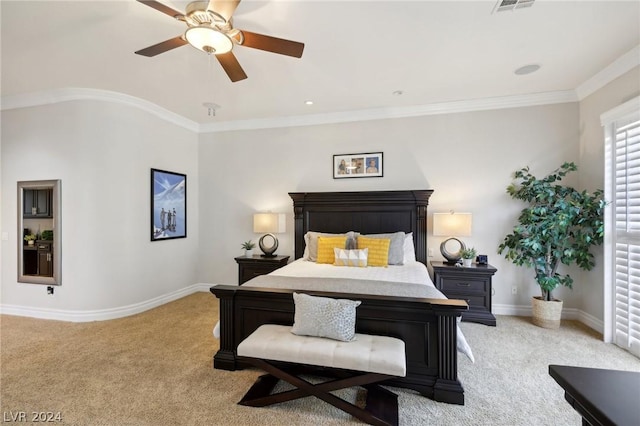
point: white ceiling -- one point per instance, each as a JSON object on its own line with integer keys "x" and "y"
{"x": 357, "y": 53}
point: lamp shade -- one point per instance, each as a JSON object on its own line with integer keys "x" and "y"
{"x": 452, "y": 224}
{"x": 269, "y": 223}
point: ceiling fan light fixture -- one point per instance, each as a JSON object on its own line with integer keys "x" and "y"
{"x": 208, "y": 40}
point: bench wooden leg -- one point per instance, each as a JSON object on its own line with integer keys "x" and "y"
{"x": 381, "y": 408}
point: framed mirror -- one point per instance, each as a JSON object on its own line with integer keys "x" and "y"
{"x": 39, "y": 231}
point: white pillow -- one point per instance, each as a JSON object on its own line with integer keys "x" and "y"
{"x": 351, "y": 257}
{"x": 324, "y": 317}
{"x": 409, "y": 249}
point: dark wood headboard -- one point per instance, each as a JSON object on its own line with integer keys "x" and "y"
{"x": 367, "y": 212}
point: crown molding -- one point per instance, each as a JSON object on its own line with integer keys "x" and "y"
{"x": 55, "y": 96}
{"x": 620, "y": 66}
{"x": 397, "y": 112}
{"x": 73, "y": 94}
{"x": 624, "y": 63}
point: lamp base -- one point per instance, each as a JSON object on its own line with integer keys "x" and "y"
{"x": 268, "y": 251}
{"x": 452, "y": 258}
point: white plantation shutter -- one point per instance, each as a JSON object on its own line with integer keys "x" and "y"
{"x": 623, "y": 139}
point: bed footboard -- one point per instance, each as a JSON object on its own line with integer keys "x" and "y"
{"x": 427, "y": 326}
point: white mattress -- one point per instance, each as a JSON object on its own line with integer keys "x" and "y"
{"x": 414, "y": 272}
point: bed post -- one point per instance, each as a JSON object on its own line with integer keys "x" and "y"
{"x": 225, "y": 358}
{"x": 420, "y": 236}
{"x": 447, "y": 387}
{"x": 298, "y": 224}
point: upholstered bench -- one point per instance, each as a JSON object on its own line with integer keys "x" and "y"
{"x": 364, "y": 361}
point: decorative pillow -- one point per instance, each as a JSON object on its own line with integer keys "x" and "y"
{"x": 352, "y": 242}
{"x": 409, "y": 249}
{"x": 396, "y": 250}
{"x": 378, "y": 250}
{"x": 350, "y": 257}
{"x": 324, "y": 317}
{"x": 326, "y": 246}
{"x": 311, "y": 243}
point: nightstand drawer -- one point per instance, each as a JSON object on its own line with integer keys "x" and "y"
{"x": 251, "y": 267}
{"x": 471, "y": 284}
{"x": 473, "y": 301}
{"x": 463, "y": 285}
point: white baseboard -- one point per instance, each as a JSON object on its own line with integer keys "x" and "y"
{"x": 517, "y": 310}
{"x": 591, "y": 321}
{"x": 567, "y": 313}
{"x": 125, "y": 311}
{"x": 102, "y": 314}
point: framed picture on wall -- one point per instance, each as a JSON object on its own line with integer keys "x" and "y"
{"x": 368, "y": 164}
{"x": 168, "y": 205}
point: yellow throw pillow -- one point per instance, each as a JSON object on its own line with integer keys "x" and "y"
{"x": 326, "y": 246}
{"x": 378, "y": 250}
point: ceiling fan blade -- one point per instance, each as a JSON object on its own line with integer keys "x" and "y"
{"x": 162, "y": 47}
{"x": 162, "y": 8}
{"x": 224, "y": 8}
{"x": 231, "y": 66}
{"x": 272, "y": 44}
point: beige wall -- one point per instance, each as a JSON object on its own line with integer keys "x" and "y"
{"x": 591, "y": 160}
{"x": 103, "y": 153}
{"x": 467, "y": 158}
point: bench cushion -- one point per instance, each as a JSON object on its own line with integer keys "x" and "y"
{"x": 375, "y": 354}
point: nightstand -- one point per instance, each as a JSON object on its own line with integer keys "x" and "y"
{"x": 250, "y": 267}
{"x": 472, "y": 284}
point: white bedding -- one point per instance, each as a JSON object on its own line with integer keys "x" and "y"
{"x": 414, "y": 274}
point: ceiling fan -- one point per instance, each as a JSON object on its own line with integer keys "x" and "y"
{"x": 210, "y": 29}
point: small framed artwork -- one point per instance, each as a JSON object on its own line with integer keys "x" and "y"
{"x": 368, "y": 164}
{"x": 168, "y": 205}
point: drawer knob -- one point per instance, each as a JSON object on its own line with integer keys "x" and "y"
{"x": 464, "y": 285}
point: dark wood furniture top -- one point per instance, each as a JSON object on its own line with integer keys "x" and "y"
{"x": 602, "y": 397}
{"x": 472, "y": 284}
{"x": 429, "y": 326}
{"x": 251, "y": 267}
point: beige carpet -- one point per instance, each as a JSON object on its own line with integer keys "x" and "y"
{"x": 155, "y": 368}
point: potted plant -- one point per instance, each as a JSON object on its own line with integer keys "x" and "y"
{"x": 248, "y": 247}
{"x": 30, "y": 238}
{"x": 558, "y": 227}
{"x": 468, "y": 255}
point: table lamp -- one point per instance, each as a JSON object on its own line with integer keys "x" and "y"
{"x": 451, "y": 225}
{"x": 271, "y": 223}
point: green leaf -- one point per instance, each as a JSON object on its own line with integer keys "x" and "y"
{"x": 559, "y": 225}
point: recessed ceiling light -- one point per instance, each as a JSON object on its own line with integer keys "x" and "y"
{"x": 527, "y": 69}
{"x": 308, "y": 102}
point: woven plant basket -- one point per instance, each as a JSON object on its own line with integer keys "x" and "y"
{"x": 546, "y": 314}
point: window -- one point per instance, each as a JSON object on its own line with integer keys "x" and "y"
{"x": 622, "y": 217}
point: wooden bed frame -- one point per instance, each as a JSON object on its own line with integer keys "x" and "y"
{"x": 428, "y": 326}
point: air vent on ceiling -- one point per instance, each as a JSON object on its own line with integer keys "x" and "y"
{"x": 513, "y": 4}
